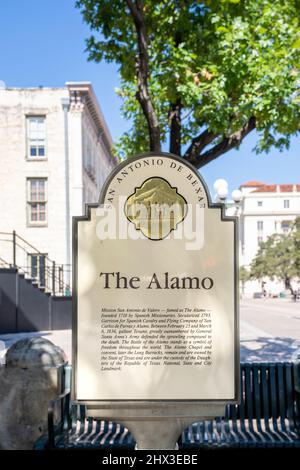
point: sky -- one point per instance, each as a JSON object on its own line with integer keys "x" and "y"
{"x": 42, "y": 43}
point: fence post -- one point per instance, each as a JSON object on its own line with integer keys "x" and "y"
{"x": 14, "y": 249}
{"x": 53, "y": 278}
{"x": 61, "y": 279}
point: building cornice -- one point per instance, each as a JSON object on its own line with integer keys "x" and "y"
{"x": 281, "y": 195}
{"x": 82, "y": 95}
{"x": 285, "y": 213}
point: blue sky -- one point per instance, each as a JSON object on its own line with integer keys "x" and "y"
{"x": 42, "y": 43}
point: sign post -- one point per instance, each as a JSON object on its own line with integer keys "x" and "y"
{"x": 155, "y": 333}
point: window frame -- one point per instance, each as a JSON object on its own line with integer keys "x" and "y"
{"x": 30, "y": 157}
{"x": 260, "y": 226}
{"x": 39, "y": 274}
{"x": 286, "y": 203}
{"x": 285, "y": 226}
{"x": 29, "y": 203}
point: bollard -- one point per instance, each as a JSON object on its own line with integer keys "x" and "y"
{"x": 28, "y": 381}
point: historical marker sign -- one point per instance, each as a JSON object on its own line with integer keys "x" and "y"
{"x": 156, "y": 292}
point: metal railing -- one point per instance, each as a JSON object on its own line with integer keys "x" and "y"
{"x": 16, "y": 252}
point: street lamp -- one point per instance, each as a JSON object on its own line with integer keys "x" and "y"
{"x": 237, "y": 196}
{"x": 221, "y": 188}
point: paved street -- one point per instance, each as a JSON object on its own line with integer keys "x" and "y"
{"x": 269, "y": 331}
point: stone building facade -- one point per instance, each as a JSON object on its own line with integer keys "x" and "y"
{"x": 55, "y": 153}
{"x": 265, "y": 209}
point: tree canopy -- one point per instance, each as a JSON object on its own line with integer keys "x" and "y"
{"x": 244, "y": 274}
{"x": 279, "y": 257}
{"x": 199, "y": 76}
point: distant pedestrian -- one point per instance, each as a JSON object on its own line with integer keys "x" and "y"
{"x": 265, "y": 293}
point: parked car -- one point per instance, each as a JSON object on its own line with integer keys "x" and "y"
{"x": 257, "y": 295}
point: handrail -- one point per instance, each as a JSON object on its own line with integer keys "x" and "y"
{"x": 28, "y": 244}
{"x": 3, "y": 261}
{"x": 5, "y": 233}
{"x": 26, "y": 270}
{"x": 53, "y": 272}
{"x": 33, "y": 247}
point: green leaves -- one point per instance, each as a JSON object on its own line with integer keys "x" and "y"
{"x": 224, "y": 61}
{"x": 222, "y": 29}
{"x": 296, "y": 43}
{"x": 279, "y": 256}
{"x": 244, "y": 274}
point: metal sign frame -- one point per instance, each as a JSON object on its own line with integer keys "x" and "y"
{"x": 138, "y": 403}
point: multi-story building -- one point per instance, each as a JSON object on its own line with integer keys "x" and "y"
{"x": 55, "y": 153}
{"x": 265, "y": 209}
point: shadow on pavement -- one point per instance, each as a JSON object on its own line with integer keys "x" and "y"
{"x": 270, "y": 349}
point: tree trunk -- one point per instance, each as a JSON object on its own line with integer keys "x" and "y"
{"x": 287, "y": 283}
{"x": 142, "y": 73}
{"x": 175, "y": 131}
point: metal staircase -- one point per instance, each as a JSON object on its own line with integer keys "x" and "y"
{"x": 34, "y": 295}
{"x": 34, "y": 266}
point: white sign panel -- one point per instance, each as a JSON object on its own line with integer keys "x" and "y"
{"x": 155, "y": 282}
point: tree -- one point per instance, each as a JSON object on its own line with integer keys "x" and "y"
{"x": 277, "y": 258}
{"x": 244, "y": 276}
{"x": 296, "y": 241}
{"x": 201, "y": 75}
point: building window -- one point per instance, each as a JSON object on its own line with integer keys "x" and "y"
{"x": 36, "y": 137}
{"x": 37, "y": 268}
{"x": 260, "y": 225}
{"x": 285, "y": 226}
{"x": 286, "y": 203}
{"x": 259, "y": 240}
{"x": 37, "y": 201}
{"x": 259, "y": 203}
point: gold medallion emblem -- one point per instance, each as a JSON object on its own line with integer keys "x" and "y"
{"x": 155, "y": 208}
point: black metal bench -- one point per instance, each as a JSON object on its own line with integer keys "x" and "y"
{"x": 268, "y": 416}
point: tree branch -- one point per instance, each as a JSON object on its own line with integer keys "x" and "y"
{"x": 228, "y": 143}
{"x": 142, "y": 94}
{"x": 197, "y": 145}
